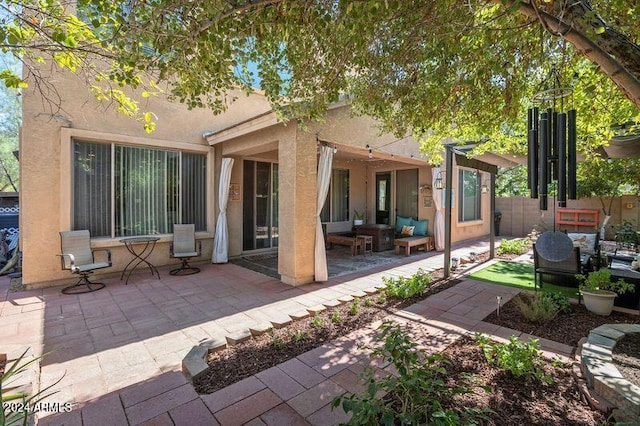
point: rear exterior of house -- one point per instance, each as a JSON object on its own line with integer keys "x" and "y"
{"x": 87, "y": 167}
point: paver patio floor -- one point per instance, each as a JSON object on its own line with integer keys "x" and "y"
{"x": 118, "y": 352}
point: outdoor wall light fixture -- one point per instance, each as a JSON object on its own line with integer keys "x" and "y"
{"x": 484, "y": 188}
{"x": 438, "y": 183}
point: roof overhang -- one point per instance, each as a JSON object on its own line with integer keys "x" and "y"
{"x": 251, "y": 125}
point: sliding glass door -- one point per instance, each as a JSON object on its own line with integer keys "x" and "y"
{"x": 260, "y": 205}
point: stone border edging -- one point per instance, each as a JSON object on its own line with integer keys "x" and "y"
{"x": 596, "y": 364}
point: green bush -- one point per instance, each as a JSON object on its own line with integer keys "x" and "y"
{"x": 519, "y": 358}
{"x": 537, "y": 308}
{"x": 335, "y": 316}
{"x": 355, "y": 307}
{"x": 406, "y": 288}
{"x": 412, "y": 397}
{"x": 316, "y": 322}
{"x": 517, "y": 246}
{"x": 561, "y": 300}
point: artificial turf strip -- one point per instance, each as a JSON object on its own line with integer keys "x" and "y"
{"x": 517, "y": 275}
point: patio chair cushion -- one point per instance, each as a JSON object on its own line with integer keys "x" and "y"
{"x": 407, "y": 231}
{"x": 421, "y": 227}
{"x": 586, "y": 242}
{"x": 402, "y": 221}
{"x": 92, "y": 266}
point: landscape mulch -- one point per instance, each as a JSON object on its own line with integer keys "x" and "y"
{"x": 625, "y": 357}
{"x": 511, "y": 400}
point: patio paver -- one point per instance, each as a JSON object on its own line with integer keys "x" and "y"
{"x": 120, "y": 349}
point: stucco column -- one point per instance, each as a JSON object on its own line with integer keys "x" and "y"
{"x": 297, "y": 207}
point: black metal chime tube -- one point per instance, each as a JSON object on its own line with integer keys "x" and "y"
{"x": 571, "y": 155}
{"x": 561, "y": 135}
{"x": 530, "y": 165}
{"x": 543, "y": 159}
{"x": 533, "y": 151}
{"x": 553, "y": 155}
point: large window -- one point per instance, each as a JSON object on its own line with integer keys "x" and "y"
{"x": 336, "y": 206}
{"x": 469, "y": 195}
{"x": 122, "y": 190}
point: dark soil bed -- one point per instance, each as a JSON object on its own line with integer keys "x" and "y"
{"x": 625, "y": 357}
{"x": 564, "y": 328}
{"x": 516, "y": 401}
{"x": 262, "y": 352}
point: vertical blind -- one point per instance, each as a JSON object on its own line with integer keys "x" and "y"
{"x": 152, "y": 189}
{"x": 92, "y": 188}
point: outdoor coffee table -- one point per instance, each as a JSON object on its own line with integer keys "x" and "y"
{"x": 140, "y": 248}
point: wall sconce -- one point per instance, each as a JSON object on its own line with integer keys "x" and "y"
{"x": 438, "y": 183}
{"x": 484, "y": 188}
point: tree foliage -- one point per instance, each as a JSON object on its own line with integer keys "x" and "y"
{"x": 10, "y": 120}
{"x": 437, "y": 70}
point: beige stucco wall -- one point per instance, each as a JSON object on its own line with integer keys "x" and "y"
{"x": 46, "y": 210}
{"x": 295, "y": 149}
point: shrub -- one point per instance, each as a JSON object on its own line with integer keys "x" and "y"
{"x": 335, "y": 316}
{"x": 368, "y": 303}
{"x": 519, "y": 358}
{"x": 537, "y": 308}
{"x": 414, "y": 396}
{"x": 300, "y": 336}
{"x": 316, "y": 322}
{"x": 15, "y": 402}
{"x": 517, "y": 246}
{"x": 355, "y": 307}
{"x": 406, "y": 288}
{"x": 277, "y": 341}
{"x": 382, "y": 298}
{"x": 561, "y": 300}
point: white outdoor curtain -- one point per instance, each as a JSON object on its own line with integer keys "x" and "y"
{"x": 438, "y": 224}
{"x": 324, "y": 178}
{"x": 221, "y": 239}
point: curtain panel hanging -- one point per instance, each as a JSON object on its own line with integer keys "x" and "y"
{"x": 221, "y": 239}
{"x": 438, "y": 225}
{"x": 324, "y": 178}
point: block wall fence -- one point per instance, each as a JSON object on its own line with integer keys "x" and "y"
{"x": 521, "y": 214}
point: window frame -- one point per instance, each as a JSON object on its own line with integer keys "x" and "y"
{"x": 461, "y": 195}
{"x": 69, "y": 135}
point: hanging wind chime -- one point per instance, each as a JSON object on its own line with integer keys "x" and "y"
{"x": 551, "y": 138}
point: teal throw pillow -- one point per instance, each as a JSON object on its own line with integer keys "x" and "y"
{"x": 421, "y": 227}
{"x": 402, "y": 221}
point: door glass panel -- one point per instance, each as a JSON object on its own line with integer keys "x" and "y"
{"x": 274, "y": 206}
{"x": 263, "y": 208}
{"x": 407, "y": 193}
{"x": 383, "y": 197}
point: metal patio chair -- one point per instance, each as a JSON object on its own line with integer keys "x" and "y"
{"x": 78, "y": 257}
{"x": 184, "y": 247}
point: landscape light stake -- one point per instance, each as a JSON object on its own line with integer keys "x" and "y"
{"x": 499, "y": 299}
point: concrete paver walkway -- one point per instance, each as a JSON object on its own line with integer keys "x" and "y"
{"x": 118, "y": 352}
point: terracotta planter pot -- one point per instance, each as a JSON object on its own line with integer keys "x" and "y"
{"x": 599, "y": 302}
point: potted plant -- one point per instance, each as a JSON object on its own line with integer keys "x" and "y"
{"x": 358, "y": 218}
{"x": 599, "y": 290}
